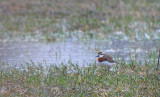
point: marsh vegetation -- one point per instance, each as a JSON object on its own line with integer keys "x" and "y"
{"x": 48, "y": 48}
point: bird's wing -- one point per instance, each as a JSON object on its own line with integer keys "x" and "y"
{"x": 108, "y": 58}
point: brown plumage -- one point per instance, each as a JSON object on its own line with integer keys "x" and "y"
{"x": 100, "y": 59}
{"x": 106, "y": 60}
{"x": 106, "y": 57}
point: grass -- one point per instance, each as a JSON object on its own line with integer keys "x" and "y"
{"x": 71, "y": 80}
{"x": 99, "y": 19}
{"x": 20, "y": 19}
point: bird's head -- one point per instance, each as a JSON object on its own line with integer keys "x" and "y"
{"x": 100, "y": 54}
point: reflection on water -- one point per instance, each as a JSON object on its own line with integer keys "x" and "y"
{"x": 53, "y": 53}
{"x": 16, "y": 53}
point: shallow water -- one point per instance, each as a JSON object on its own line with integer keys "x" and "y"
{"x": 52, "y": 53}
{"x": 82, "y": 53}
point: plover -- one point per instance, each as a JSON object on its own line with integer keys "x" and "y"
{"x": 105, "y": 59}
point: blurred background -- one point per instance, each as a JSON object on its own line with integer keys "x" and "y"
{"x": 54, "y": 19}
{"x": 41, "y": 30}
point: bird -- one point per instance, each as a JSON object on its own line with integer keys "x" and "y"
{"x": 106, "y": 60}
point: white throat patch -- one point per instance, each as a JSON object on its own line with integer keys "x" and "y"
{"x": 100, "y": 56}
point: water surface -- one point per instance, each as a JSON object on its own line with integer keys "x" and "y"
{"x": 81, "y": 53}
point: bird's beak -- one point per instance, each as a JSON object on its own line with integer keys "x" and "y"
{"x": 97, "y": 56}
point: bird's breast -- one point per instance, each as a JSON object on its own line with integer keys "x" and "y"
{"x": 100, "y": 59}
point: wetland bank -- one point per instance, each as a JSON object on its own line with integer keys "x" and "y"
{"x": 48, "y": 48}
